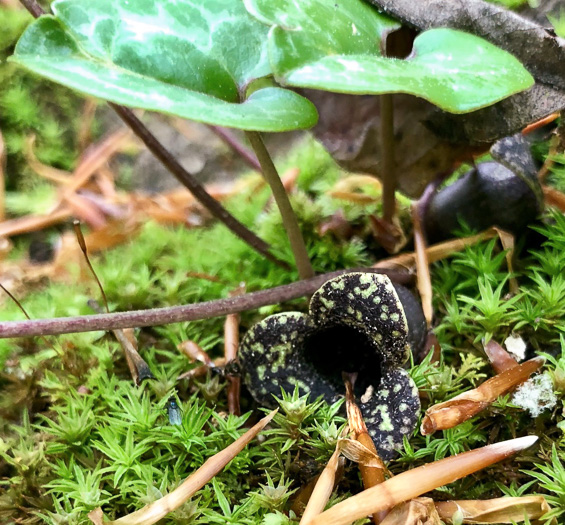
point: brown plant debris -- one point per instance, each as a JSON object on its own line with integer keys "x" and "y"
{"x": 468, "y": 404}
{"x": 413, "y": 483}
{"x": 500, "y": 510}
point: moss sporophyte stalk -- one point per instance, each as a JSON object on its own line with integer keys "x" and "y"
{"x": 356, "y": 324}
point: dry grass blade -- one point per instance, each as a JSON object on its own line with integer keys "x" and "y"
{"x": 499, "y": 358}
{"x": 88, "y": 111}
{"x": 137, "y": 366}
{"x": 349, "y": 188}
{"x": 372, "y": 474}
{"x": 554, "y": 198}
{"x": 424, "y": 280}
{"x": 419, "y": 511}
{"x": 94, "y": 158}
{"x": 194, "y": 353}
{"x": 507, "y": 241}
{"x": 200, "y": 371}
{"x": 500, "y": 510}
{"x": 47, "y": 172}
{"x": 157, "y": 510}
{"x": 436, "y": 252}
{"x": 468, "y": 404}
{"x": 323, "y": 489}
{"x": 231, "y": 346}
{"x": 415, "y": 482}
{"x": 359, "y": 453}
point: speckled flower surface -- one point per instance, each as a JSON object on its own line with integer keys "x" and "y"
{"x": 356, "y": 324}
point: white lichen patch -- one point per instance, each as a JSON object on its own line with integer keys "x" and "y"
{"x": 516, "y": 346}
{"x": 535, "y": 395}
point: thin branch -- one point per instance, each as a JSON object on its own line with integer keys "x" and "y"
{"x": 172, "y": 165}
{"x": 176, "y": 314}
{"x": 289, "y": 219}
{"x": 33, "y": 7}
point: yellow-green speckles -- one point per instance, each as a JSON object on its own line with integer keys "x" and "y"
{"x": 279, "y": 360}
{"x": 261, "y": 371}
{"x": 384, "y": 308}
{"x": 367, "y": 292}
{"x": 397, "y": 388}
{"x": 384, "y": 393}
{"x": 386, "y": 423}
{"x": 350, "y": 310}
{"x": 299, "y": 383}
{"x": 377, "y": 299}
{"x": 338, "y": 284}
{"x": 328, "y": 303}
{"x": 395, "y": 317}
{"x": 367, "y": 278}
{"x": 383, "y": 316}
{"x": 403, "y": 407}
{"x": 359, "y": 315}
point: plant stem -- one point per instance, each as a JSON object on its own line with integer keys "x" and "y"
{"x": 176, "y": 314}
{"x": 388, "y": 174}
{"x": 173, "y": 166}
{"x": 188, "y": 180}
{"x": 290, "y": 222}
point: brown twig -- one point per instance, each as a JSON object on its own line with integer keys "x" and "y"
{"x": 176, "y": 314}
{"x": 33, "y": 7}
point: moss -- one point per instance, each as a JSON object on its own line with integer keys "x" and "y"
{"x": 77, "y": 434}
{"x": 32, "y": 106}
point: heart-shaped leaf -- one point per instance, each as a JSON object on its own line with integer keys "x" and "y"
{"x": 335, "y": 46}
{"x": 191, "y": 58}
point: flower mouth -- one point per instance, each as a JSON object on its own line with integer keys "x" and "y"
{"x": 336, "y": 349}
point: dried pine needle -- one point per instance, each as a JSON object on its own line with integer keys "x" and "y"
{"x": 415, "y": 482}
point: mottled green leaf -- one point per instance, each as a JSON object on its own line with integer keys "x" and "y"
{"x": 192, "y": 58}
{"x": 335, "y": 46}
